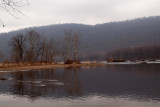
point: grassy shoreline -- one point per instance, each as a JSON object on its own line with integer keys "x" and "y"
{"x": 13, "y": 67}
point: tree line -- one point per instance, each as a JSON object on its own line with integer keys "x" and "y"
{"x": 136, "y": 53}
{"x": 34, "y": 47}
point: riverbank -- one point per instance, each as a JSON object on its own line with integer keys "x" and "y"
{"x": 30, "y": 66}
{"x": 13, "y": 67}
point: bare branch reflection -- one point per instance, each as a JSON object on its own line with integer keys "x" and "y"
{"x": 47, "y": 83}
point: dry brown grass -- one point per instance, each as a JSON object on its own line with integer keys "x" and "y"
{"x": 37, "y": 65}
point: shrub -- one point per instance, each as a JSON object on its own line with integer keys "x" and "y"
{"x": 72, "y": 61}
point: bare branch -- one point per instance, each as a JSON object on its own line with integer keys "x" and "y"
{"x": 12, "y": 7}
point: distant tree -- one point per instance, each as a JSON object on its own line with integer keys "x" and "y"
{"x": 52, "y": 50}
{"x": 136, "y": 53}
{"x": 18, "y": 47}
{"x": 43, "y": 46}
{"x": 76, "y": 43}
{"x": 1, "y": 55}
{"x": 33, "y": 39}
{"x": 71, "y": 44}
{"x": 38, "y": 48}
{"x": 12, "y": 7}
{"x": 68, "y": 43}
{"x": 63, "y": 51}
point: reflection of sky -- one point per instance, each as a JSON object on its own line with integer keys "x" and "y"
{"x": 88, "y": 101}
{"x": 44, "y": 12}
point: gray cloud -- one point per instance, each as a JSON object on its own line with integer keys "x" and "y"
{"x": 44, "y": 12}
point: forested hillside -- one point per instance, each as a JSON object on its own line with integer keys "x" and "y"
{"x": 97, "y": 40}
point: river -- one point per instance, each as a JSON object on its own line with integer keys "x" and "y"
{"x": 96, "y": 86}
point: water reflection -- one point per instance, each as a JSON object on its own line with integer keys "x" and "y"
{"x": 138, "y": 82}
{"x": 88, "y": 101}
{"x": 43, "y": 83}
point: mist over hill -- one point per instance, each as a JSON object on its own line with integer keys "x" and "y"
{"x": 101, "y": 38}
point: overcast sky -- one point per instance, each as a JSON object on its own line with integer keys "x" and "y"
{"x": 45, "y": 12}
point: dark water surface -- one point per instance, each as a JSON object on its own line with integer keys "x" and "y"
{"x": 101, "y": 86}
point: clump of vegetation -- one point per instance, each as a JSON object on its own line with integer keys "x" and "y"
{"x": 115, "y": 60}
{"x": 68, "y": 62}
{"x": 72, "y": 62}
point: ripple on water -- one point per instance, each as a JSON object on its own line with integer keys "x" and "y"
{"x": 40, "y": 85}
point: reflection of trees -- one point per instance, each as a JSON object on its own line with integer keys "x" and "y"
{"x": 19, "y": 86}
{"x": 25, "y": 83}
{"x": 71, "y": 75}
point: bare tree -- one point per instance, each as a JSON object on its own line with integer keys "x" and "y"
{"x": 33, "y": 39}
{"x": 18, "y": 46}
{"x": 52, "y": 49}
{"x": 12, "y": 7}
{"x": 38, "y": 48}
{"x": 71, "y": 45}
{"x": 76, "y": 42}
{"x": 63, "y": 51}
{"x": 43, "y": 46}
{"x": 1, "y": 55}
{"x": 68, "y": 43}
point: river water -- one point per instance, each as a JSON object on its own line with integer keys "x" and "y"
{"x": 100, "y": 86}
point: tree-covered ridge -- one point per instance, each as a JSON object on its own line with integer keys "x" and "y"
{"x": 97, "y": 40}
